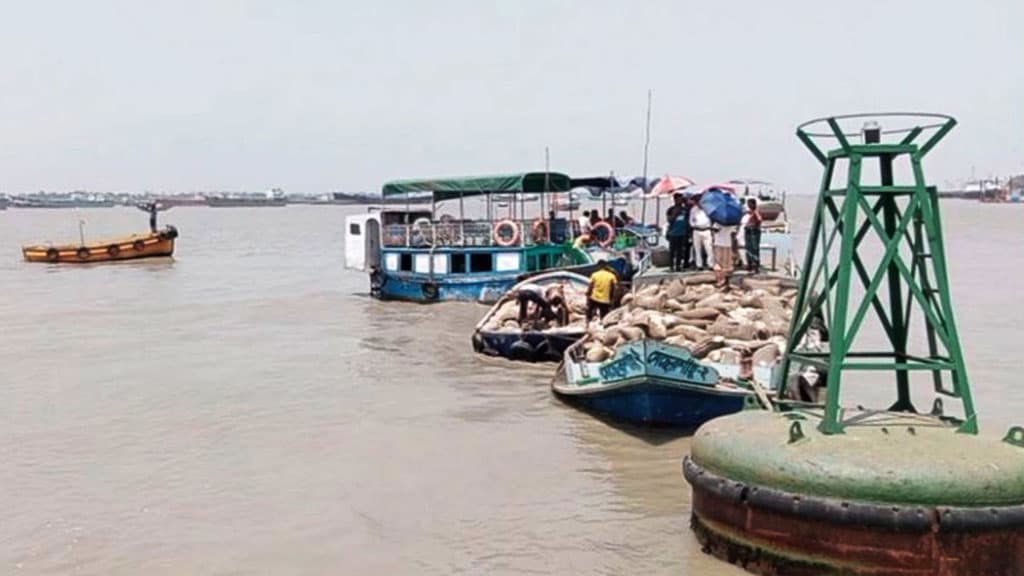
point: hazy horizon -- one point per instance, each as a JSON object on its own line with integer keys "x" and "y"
{"x": 320, "y": 96}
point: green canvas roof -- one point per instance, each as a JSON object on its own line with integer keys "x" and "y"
{"x": 449, "y": 188}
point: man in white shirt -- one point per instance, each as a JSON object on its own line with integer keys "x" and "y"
{"x": 701, "y": 226}
{"x": 741, "y": 237}
{"x": 584, "y": 222}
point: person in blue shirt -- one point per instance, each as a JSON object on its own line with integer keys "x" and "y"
{"x": 678, "y": 233}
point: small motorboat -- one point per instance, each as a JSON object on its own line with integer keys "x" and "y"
{"x": 648, "y": 382}
{"x": 499, "y": 334}
{"x": 152, "y": 245}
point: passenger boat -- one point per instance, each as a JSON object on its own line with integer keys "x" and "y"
{"x": 419, "y": 256}
{"x": 156, "y": 244}
{"x": 648, "y": 382}
{"x": 771, "y": 204}
{"x": 497, "y": 333}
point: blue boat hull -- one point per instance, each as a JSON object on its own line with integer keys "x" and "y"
{"x": 529, "y": 346}
{"x": 486, "y": 289}
{"x": 413, "y": 288}
{"x": 653, "y": 402}
{"x": 649, "y": 382}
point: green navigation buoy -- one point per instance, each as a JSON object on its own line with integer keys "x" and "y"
{"x": 814, "y": 488}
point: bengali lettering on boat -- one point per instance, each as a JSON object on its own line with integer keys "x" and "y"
{"x": 676, "y": 362}
{"x": 627, "y": 365}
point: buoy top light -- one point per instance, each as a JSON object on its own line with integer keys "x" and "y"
{"x": 863, "y": 134}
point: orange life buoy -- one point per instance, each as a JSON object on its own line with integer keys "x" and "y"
{"x": 541, "y": 237}
{"x": 609, "y": 237}
{"x": 511, "y": 240}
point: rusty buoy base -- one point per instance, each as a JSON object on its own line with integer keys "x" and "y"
{"x": 906, "y": 498}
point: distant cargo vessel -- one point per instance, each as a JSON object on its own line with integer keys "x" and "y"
{"x": 240, "y": 202}
{"x": 275, "y": 197}
{"x": 181, "y": 200}
{"x": 60, "y": 201}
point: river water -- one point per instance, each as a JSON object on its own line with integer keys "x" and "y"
{"x": 247, "y": 409}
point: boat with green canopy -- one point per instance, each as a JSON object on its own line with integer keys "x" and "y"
{"x": 437, "y": 254}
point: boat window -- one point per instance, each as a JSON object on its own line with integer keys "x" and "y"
{"x": 405, "y": 265}
{"x": 545, "y": 261}
{"x": 481, "y": 262}
{"x": 353, "y": 229}
{"x": 458, "y": 263}
{"x": 531, "y": 262}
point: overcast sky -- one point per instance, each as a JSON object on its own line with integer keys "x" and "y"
{"x": 313, "y": 96}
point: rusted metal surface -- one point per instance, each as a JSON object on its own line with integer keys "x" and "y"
{"x": 767, "y": 531}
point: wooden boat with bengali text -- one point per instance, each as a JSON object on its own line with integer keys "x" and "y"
{"x": 648, "y": 382}
{"x": 151, "y": 245}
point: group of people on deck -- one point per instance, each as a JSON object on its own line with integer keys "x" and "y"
{"x": 695, "y": 242}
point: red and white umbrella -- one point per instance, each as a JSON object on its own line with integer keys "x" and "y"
{"x": 667, "y": 185}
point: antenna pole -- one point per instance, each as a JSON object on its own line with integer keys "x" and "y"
{"x": 647, "y": 145}
{"x": 547, "y": 185}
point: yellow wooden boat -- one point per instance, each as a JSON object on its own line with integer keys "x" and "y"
{"x": 152, "y": 245}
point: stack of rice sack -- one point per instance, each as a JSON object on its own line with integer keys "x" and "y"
{"x": 506, "y": 317}
{"x": 724, "y": 326}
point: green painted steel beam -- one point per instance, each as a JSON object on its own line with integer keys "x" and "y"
{"x": 873, "y": 150}
{"x": 875, "y": 191}
{"x": 890, "y": 366}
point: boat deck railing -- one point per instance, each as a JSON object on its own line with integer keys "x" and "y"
{"x": 455, "y": 233}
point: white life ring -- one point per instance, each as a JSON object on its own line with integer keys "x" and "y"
{"x": 511, "y": 240}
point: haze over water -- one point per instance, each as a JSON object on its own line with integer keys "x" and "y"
{"x": 247, "y": 409}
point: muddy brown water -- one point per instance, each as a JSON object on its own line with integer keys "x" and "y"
{"x": 247, "y": 409}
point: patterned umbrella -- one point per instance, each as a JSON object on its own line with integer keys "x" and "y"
{"x": 667, "y": 185}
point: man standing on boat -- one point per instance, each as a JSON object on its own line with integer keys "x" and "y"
{"x": 151, "y": 207}
{"x": 678, "y": 234}
{"x": 752, "y": 236}
{"x": 584, "y": 223}
{"x": 701, "y": 226}
{"x": 601, "y": 291}
{"x": 723, "y": 263}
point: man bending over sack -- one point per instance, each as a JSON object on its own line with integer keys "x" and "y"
{"x": 549, "y": 305}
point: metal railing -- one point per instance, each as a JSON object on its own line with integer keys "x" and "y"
{"x": 450, "y": 233}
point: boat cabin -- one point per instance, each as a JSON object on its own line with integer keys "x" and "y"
{"x": 443, "y": 247}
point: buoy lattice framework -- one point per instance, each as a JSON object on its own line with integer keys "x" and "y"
{"x": 903, "y": 220}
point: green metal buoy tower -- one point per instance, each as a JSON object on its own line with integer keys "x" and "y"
{"x": 881, "y": 203}
{"x": 808, "y": 489}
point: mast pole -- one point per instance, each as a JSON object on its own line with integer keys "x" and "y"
{"x": 647, "y": 145}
